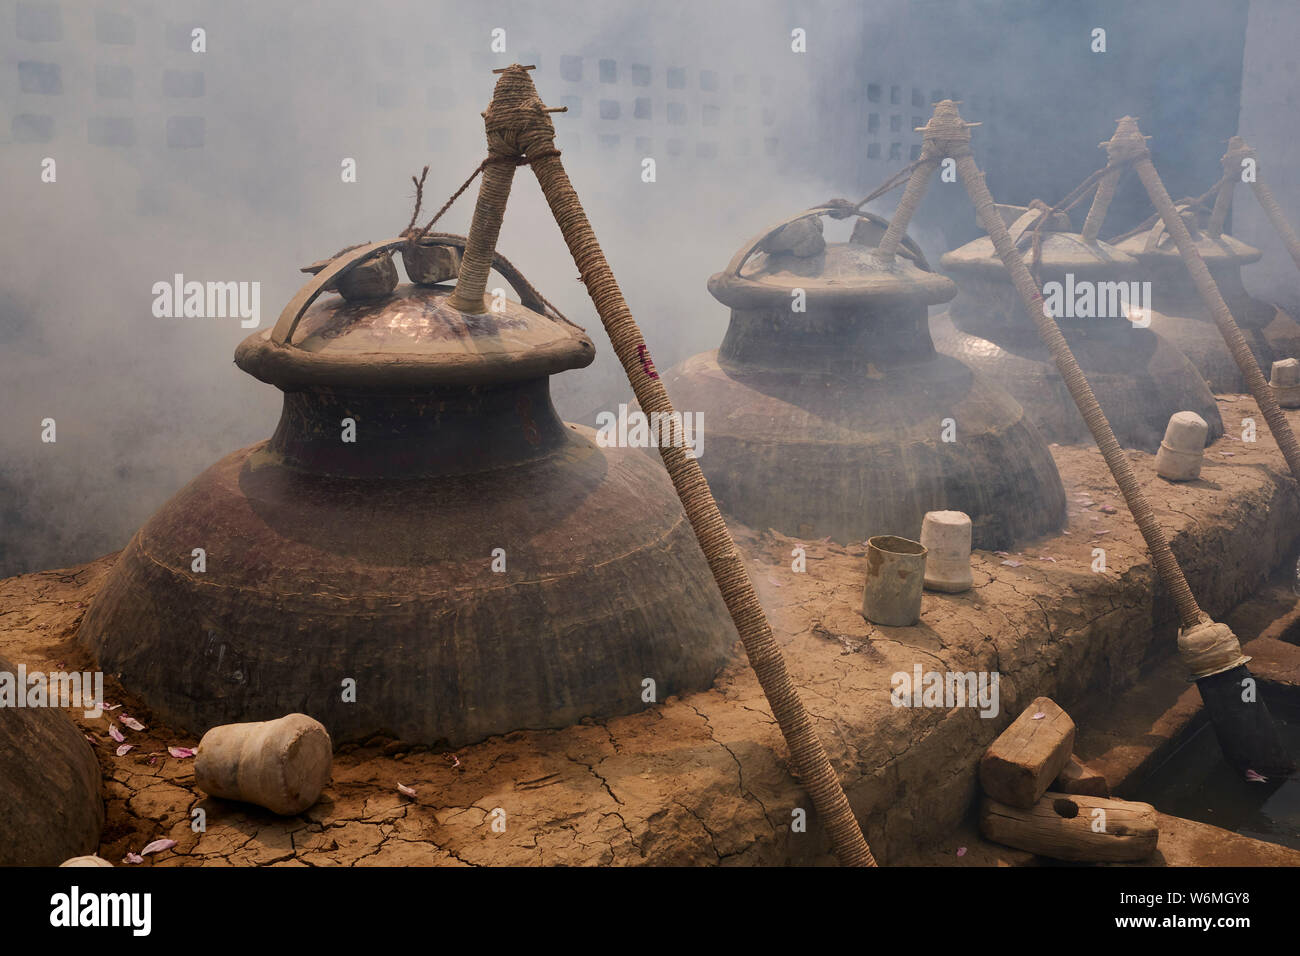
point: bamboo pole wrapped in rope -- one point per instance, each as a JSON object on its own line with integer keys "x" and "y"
{"x": 518, "y": 126}
{"x": 1238, "y": 150}
{"x": 1222, "y": 203}
{"x": 1210, "y": 650}
{"x": 1129, "y": 144}
{"x": 1101, "y": 201}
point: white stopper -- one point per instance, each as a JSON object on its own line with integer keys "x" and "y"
{"x": 1285, "y": 383}
{"x": 946, "y": 535}
{"x": 1181, "y": 452}
{"x": 1286, "y": 372}
{"x": 282, "y": 765}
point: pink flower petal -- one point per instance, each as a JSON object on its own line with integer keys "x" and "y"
{"x": 1038, "y": 716}
{"x": 1255, "y": 778}
{"x": 125, "y": 749}
{"x": 114, "y": 707}
{"x": 180, "y": 753}
{"x": 157, "y": 846}
{"x": 115, "y": 733}
{"x": 1098, "y": 534}
{"x": 961, "y": 851}
{"x": 133, "y": 858}
{"x": 132, "y": 723}
{"x": 1012, "y": 564}
{"x": 409, "y": 791}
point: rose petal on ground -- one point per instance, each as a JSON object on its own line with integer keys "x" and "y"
{"x": 157, "y": 846}
{"x": 180, "y": 753}
{"x": 132, "y": 723}
{"x": 133, "y": 858}
{"x": 115, "y": 733}
{"x": 1012, "y": 564}
{"x": 961, "y": 851}
{"x": 1038, "y": 716}
{"x": 1255, "y": 778}
{"x": 125, "y": 749}
{"x": 408, "y": 791}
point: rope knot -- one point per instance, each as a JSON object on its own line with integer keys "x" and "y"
{"x": 1127, "y": 145}
{"x": 1238, "y": 149}
{"x": 946, "y": 134}
{"x": 516, "y": 119}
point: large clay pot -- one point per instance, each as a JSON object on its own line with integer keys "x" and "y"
{"x": 842, "y": 420}
{"x": 1180, "y": 314}
{"x": 50, "y": 803}
{"x": 1140, "y": 378}
{"x": 376, "y": 561}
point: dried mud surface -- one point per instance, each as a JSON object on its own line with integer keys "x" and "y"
{"x": 704, "y": 779}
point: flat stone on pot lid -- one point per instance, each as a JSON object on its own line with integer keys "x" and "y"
{"x": 1060, "y": 250}
{"x": 765, "y": 272}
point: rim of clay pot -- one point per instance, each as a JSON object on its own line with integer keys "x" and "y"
{"x": 893, "y": 544}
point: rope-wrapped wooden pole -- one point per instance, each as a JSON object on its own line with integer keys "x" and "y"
{"x": 1238, "y": 150}
{"x": 917, "y": 183}
{"x": 1129, "y": 140}
{"x": 1211, "y": 651}
{"x": 485, "y": 228}
{"x": 1222, "y": 202}
{"x": 1101, "y": 201}
{"x": 517, "y": 125}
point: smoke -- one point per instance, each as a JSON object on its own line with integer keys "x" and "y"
{"x": 748, "y": 132}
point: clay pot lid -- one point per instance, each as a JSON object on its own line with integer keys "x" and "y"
{"x": 1060, "y": 251}
{"x": 410, "y": 338}
{"x": 793, "y": 255}
{"x": 1156, "y": 245}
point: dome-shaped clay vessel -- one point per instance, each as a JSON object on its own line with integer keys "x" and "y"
{"x": 50, "y": 803}
{"x": 1180, "y": 315}
{"x": 468, "y": 565}
{"x": 841, "y": 420}
{"x": 1139, "y": 377}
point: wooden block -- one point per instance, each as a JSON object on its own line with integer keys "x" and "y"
{"x": 1072, "y": 827}
{"x": 1078, "y": 777}
{"x": 1021, "y": 764}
